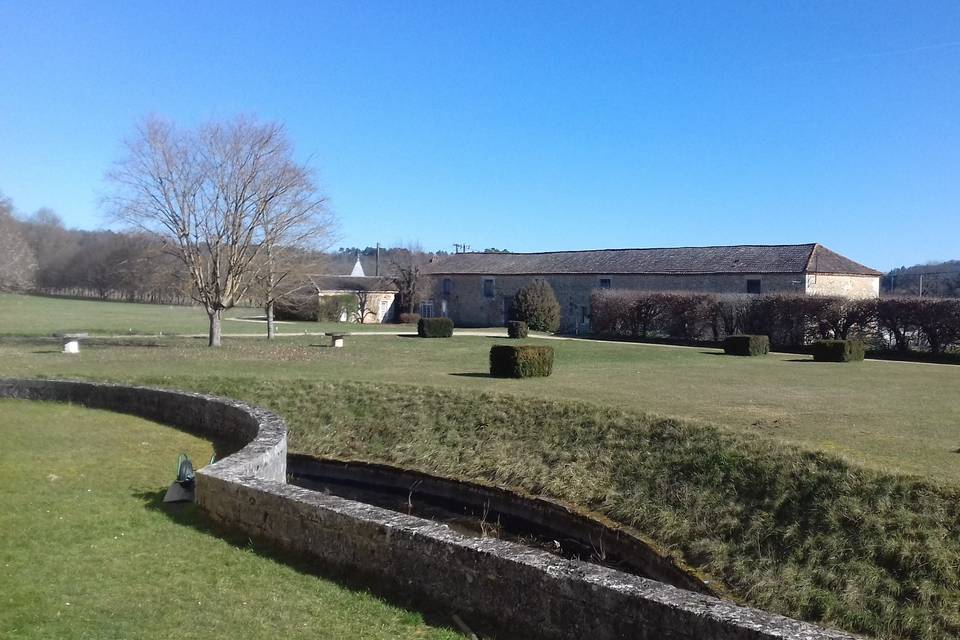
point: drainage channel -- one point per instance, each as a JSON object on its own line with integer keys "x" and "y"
{"x": 492, "y": 512}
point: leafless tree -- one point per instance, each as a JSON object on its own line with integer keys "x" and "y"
{"x": 208, "y": 191}
{"x": 406, "y": 272}
{"x": 294, "y": 233}
{"x": 18, "y": 264}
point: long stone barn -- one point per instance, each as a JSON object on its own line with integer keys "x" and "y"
{"x": 477, "y": 289}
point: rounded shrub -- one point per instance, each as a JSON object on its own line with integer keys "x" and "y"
{"x": 517, "y": 329}
{"x": 435, "y": 327}
{"x": 537, "y": 305}
{"x": 410, "y": 318}
{"x": 520, "y": 361}
{"x": 746, "y": 345}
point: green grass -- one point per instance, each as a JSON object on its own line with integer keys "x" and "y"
{"x": 39, "y": 316}
{"x": 901, "y": 417}
{"x": 87, "y": 550}
{"x": 837, "y": 535}
{"x": 799, "y": 533}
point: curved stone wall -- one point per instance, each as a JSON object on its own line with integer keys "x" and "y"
{"x": 518, "y": 591}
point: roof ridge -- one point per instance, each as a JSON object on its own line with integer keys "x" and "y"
{"x": 709, "y": 246}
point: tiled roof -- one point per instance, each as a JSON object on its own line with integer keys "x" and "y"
{"x": 790, "y": 258}
{"x": 352, "y": 283}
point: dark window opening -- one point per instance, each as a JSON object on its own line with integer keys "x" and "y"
{"x": 447, "y": 286}
{"x": 488, "y": 287}
{"x": 605, "y": 283}
{"x": 753, "y": 286}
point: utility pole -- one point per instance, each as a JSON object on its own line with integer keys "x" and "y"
{"x": 378, "y": 260}
{"x": 921, "y": 284}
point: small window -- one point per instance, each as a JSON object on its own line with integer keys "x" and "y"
{"x": 753, "y": 286}
{"x": 488, "y": 287}
{"x": 605, "y": 283}
{"x": 447, "y": 286}
{"x": 426, "y": 309}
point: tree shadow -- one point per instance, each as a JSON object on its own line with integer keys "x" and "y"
{"x": 188, "y": 514}
{"x": 801, "y": 360}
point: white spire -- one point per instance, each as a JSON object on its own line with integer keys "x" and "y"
{"x": 357, "y": 268}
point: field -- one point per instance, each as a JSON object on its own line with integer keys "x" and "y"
{"x": 778, "y": 475}
{"x": 37, "y": 316}
{"x": 87, "y": 550}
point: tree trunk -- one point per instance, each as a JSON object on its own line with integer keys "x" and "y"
{"x": 215, "y": 317}
{"x": 270, "y": 328}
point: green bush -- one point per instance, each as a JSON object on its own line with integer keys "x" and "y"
{"x": 744, "y": 345}
{"x": 838, "y": 350}
{"x": 435, "y": 327}
{"x": 517, "y": 329}
{"x": 332, "y": 308}
{"x": 520, "y": 361}
{"x": 297, "y": 308}
{"x": 537, "y": 305}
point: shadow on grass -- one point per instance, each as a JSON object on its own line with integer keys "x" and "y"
{"x": 408, "y": 335}
{"x": 188, "y": 514}
{"x": 472, "y": 375}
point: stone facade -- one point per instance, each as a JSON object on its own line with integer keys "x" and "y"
{"x": 476, "y": 289}
{"x": 468, "y": 301}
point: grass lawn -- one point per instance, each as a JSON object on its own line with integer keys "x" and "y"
{"x": 887, "y": 415}
{"x": 39, "y": 316}
{"x": 828, "y": 532}
{"x": 88, "y": 551}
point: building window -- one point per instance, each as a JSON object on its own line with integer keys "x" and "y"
{"x": 488, "y": 287}
{"x": 753, "y": 286}
{"x": 605, "y": 283}
{"x": 426, "y": 309}
{"x": 447, "y": 286}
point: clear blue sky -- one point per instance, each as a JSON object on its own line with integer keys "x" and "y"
{"x": 525, "y": 125}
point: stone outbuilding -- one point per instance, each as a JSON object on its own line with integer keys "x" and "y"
{"x": 372, "y": 298}
{"x": 477, "y": 289}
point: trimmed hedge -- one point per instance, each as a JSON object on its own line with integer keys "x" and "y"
{"x": 297, "y": 308}
{"x": 838, "y": 351}
{"x": 410, "y": 318}
{"x": 520, "y": 361}
{"x": 746, "y": 345}
{"x": 435, "y": 327}
{"x": 517, "y": 329}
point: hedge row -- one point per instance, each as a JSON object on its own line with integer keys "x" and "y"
{"x": 900, "y": 324}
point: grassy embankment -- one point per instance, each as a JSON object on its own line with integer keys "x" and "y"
{"x": 846, "y": 541}
{"x": 87, "y": 551}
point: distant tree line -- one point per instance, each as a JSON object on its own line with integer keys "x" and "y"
{"x": 937, "y": 279}
{"x": 41, "y": 255}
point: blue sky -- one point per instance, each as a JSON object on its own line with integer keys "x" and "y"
{"x": 524, "y": 125}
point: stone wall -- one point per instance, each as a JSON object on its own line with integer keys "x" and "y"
{"x": 467, "y": 305}
{"x": 841, "y": 285}
{"x": 518, "y": 591}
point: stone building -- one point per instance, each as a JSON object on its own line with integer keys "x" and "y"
{"x": 476, "y": 289}
{"x": 372, "y": 298}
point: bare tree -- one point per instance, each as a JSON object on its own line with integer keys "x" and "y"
{"x": 294, "y": 233}
{"x": 208, "y": 192}
{"x": 18, "y": 264}
{"x": 407, "y": 273}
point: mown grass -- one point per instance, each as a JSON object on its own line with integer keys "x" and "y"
{"x": 86, "y": 550}
{"x": 899, "y": 417}
{"x": 796, "y": 532}
{"x": 38, "y": 316}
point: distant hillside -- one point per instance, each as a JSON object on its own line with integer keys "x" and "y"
{"x": 936, "y": 278}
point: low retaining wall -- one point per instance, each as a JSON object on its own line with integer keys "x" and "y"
{"x": 519, "y": 591}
